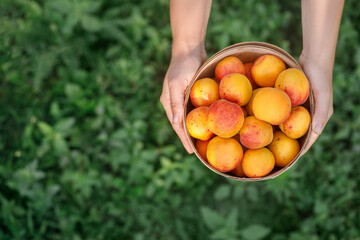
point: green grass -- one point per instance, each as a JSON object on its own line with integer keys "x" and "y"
{"x": 86, "y": 150}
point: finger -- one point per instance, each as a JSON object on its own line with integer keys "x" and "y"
{"x": 165, "y": 100}
{"x": 323, "y": 105}
{"x": 176, "y": 101}
{"x": 323, "y": 110}
{"x": 312, "y": 138}
{"x": 179, "y": 129}
{"x": 177, "y": 109}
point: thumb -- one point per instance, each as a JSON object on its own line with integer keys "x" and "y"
{"x": 323, "y": 102}
{"x": 323, "y": 105}
{"x": 176, "y": 102}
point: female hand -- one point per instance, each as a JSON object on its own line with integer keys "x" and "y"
{"x": 320, "y": 78}
{"x": 183, "y": 66}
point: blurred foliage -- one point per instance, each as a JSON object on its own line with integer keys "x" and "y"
{"x": 86, "y": 151}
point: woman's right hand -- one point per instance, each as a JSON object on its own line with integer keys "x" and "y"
{"x": 185, "y": 61}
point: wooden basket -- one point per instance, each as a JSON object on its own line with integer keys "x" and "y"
{"x": 246, "y": 52}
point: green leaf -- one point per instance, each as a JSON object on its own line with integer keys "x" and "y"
{"x": 224, "y": 234}
{"x": 45, "y": 128}
{"x": 212, "y": 219}
{"x": 55, "y": 110}
{"x": 63, "y": 6}
{"x": 232, "y": 219}
{"x": 44, "y": 65}
{"x": 60, "y": 145}
{"x": 255, "y": 232}
{"x": 65, "y": 126}
{"x": 90, "y": 23}
{"x": 73, "y": 91}
{"x": 222, "y": 192}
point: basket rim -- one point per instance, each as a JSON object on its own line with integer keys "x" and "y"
{"x": 260, "y": 46}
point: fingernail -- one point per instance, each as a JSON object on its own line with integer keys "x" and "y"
{"x": 318, "y": 128}
{"x": 176, "y": 119}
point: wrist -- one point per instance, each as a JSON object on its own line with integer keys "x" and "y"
{"x": 321, "y": 61}
{"x": 184, "y": 48}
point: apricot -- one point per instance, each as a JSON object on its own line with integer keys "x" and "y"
{"x": 229, "y": 65}
{"x": 258, "y": 162}
{"x": 295, "y": 84}
{"x": 244, "y": 111}
{"x": 238, "y": 171}
{"x": 255, "y": 133}
{"x": 271, "y": 105}
{"x": 196, "y": 124}
{"x": 204, "y": 92}
{"x": 224, "y": 118}
{"x": 285, "y": 149}
{"x": 266, "y": 69}
{"x": 224, "y": 154}
{"x": 248, "y": 67}
{"x": 201, "y": 147}
{"x": 297, "y": 124}
{"x": 235, "y": 88}
{"x": 249, "y": 106}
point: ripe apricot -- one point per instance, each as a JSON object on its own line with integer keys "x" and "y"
{"x": 249, "y": 106}
{"x": 295, "y": 84}
{"x": 248, "y": 67}
{"x": 271, "y": 105}
{"x": 196, "y": 124}
{"x": 255, "y": 133}
{"x": 244, "y": 111}
{"x": 229, "y": 65}
{"x": 266, "y": 69}
{"x": 235, "y": 88}
{"x": 238, "y": 171}
{"x": 297, "y": 123}
{"x": 285, "y": 149}
{"x": 201, "y": 147}
{"x": 204, "y": 92}
{"x": 224, "y": 118}
{"x": 224, "y": 154}
{"x": 258, "y": 162}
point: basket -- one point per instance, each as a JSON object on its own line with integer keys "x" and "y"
{"x": 247, "y": 52}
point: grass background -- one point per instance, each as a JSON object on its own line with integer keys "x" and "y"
{"x": 86, "y": 151}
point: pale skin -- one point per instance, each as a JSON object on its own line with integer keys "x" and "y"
{"x": 320, "y": 25}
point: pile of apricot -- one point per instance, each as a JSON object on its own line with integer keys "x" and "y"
{"x": 248, "y": 118}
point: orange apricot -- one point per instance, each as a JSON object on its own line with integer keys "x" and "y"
{"x": 248, "y": 67}
{"x": 201, "y": 147}
{"x": 266, "y": 69}
{"x": 235, "y": 88}
{"x": 258, "y": 162}
{"x": 244, "y": 111}
{"x": 238, "y": 171}
{"x": 229, "y": 65}
{"x": 297, "y": 123}
{"x": 224, "y": 154}
{"x": 196, "y": 124}
{"x": 271, "y": 105}
{"x": 295, "y": 84}
{"x": 255, "y": 133}
{"x": 285, "y": 149}
{"x": 249, "y": 106}
{"x": 204, "y": 92}
{"x": 224, "y": 118}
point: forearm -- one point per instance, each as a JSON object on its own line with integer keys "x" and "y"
{"x": 320, "y": 23}
{"x": 188, "y": 23}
